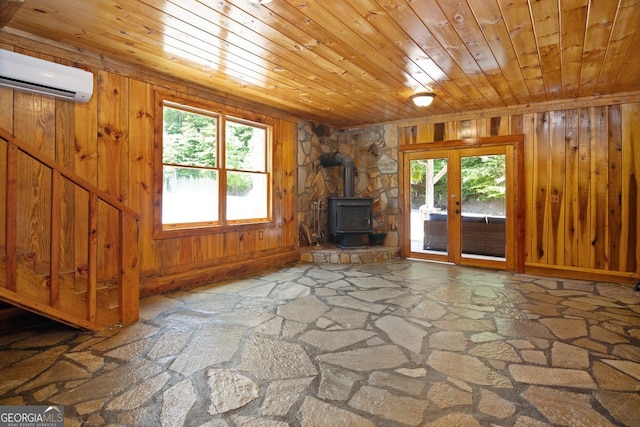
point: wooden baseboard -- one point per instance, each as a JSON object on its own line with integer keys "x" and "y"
{"x": 582, "y": 274}
{"x": 152, "y": 283}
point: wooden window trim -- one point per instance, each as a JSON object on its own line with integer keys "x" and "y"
{"x": 222, "y": 112}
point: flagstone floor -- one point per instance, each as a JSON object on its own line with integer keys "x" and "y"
{"x": 399, "y": 343}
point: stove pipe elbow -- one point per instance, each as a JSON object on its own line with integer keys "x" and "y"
{"x": 337, "y": 159}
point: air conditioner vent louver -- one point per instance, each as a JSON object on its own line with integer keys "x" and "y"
{"x": 26, "y": 73}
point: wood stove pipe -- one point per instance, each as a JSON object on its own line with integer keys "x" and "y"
{"x": 337, "y": 159}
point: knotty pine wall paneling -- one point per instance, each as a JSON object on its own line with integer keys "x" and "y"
{"x": 630, "y": 252}
{"x": 113, "y": 145}
{"x": 84, "y": 128}
{"x": 110, "y": 142}
{"x": 581, "y": 175}
{"x": 614, "y": 189}
{"x": 141, "y": 146}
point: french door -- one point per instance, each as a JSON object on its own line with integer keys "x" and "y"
{"x": 464, "y": 205}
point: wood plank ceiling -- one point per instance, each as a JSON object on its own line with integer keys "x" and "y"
{"x": 345, "y": 63}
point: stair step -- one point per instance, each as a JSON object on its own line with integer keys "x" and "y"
{"x": 42, "y": 269}
{"x": 21, "y": 253}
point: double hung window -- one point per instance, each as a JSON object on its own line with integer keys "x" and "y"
{"x": 215, "y": 169}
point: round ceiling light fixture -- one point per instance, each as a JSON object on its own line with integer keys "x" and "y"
{"x": 423, "y": 99}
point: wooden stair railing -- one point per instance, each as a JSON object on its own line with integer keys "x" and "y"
{"x": 88, "y": 306}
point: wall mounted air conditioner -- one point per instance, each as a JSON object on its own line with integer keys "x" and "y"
{"x": 26, "y": 73}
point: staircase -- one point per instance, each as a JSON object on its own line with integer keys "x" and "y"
{"x": 68, "y": 250}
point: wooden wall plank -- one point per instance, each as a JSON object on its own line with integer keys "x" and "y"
{"x": 85, "y": 165}
{"x": 466, "y": 129}
{"x": 65, "y": 156}
{"x": 92, "y": 259}
{"x": 557, "y": 171}
{"x": 113, "y": 114}
{"x": 542, "y": 189}
{"x": 407, "y": 135}
{"x": 599, "y": 188}
{"x": 494, "y": 129}
{"x": 481, "y": 126}
{"x": 231, "y": 243}
{"x": 439, "y": 132}
{"x": 451, "y": 130}
{"x": 35, "y": 124}
{"x": 615, "y": 188}
{"x": 425, "y": 133}
{"x": 584, "y": 247}
{"x": 516, "y": 124}
{"x": 140, "y": 164}
{"x": 630, "y": 187}
{"x": 129, "y": 302}
{"x": 570, "y": 202}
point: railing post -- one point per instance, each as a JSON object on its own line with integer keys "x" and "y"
{"x": 92, "y": 261}
{"x": 130, "y": 266}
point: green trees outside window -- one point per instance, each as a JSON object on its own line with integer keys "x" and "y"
{"x": 210, "y": 160}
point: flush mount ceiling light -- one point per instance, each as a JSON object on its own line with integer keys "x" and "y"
{"x": 423, "y": 99}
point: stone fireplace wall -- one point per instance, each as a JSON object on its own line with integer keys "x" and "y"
{"x": 374, "y": 150}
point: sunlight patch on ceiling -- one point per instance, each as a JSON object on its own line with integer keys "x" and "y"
{"x": 226, "y": 52}
{"x": 429, "y": 67}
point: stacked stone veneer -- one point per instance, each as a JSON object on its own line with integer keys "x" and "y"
{"x": 374, "y": 150}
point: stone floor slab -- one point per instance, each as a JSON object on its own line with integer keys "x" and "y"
{"x": 270, "y": 359}
{"x": 402, "y": 332}
{"x": 177, "y": 402}
{"x": 335, "y": 340}
{"x": 316, "y": 413}
{"x": 540, "y": 375}
{"x": 229, "y": 390}
{"x": 381, "y": 403}
{"x": 563, "y": 408}
{"x": 466, "y": 368}
{"x": 213, "y": 344}
{"x": 367, "y": 359}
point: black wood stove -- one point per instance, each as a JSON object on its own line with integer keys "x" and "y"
{"x": 349, "y": 218}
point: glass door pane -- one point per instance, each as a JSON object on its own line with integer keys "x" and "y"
{"x": 483, "y": 192}
{"x": 429, "y": 224}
